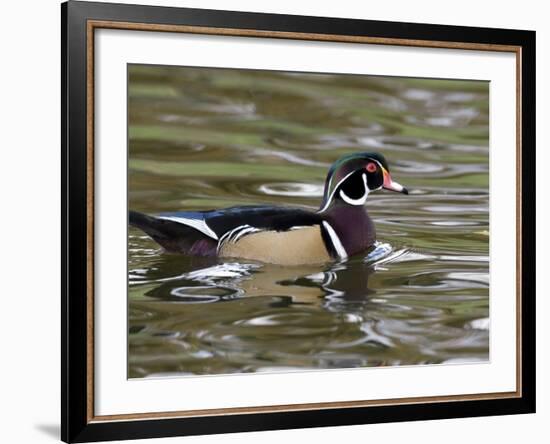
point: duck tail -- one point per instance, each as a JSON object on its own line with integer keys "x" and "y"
{"x": 172, "y": 236}
{"x": 148, "y": 224}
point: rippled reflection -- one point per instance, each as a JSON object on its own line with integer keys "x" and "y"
{"x": 203, "y": 139}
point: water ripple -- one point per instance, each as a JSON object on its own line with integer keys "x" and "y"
{"x": 207, "y": 138}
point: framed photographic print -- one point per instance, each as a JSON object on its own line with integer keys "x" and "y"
{"x": 275, "y": 221}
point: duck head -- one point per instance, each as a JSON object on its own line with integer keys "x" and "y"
{"x": 351, "y": 178}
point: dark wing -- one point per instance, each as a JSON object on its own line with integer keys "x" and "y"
{"x": 215, "y": 224}
{"x": 202, "y": 232}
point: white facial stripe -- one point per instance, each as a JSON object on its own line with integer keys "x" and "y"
{"x": 340, "y": 250}
{"x": 329, "y": 200}
{"x": 197, "y": 224}
{"x": 362, "y": 199}
{"x": 349, "y": 200}
{"x": 346, "y": 198}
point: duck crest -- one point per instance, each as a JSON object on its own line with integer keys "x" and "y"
{"x": 353, "y": 226}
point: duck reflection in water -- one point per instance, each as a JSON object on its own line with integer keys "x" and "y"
{"x": 308, "y": 284}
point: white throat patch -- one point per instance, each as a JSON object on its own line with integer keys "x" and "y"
{"x": 362, "y": 199}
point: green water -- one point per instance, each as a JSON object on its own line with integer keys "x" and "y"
{"x": 212, "y": 138}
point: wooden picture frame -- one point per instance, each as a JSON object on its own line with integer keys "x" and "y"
{"x": 80, "y": 20}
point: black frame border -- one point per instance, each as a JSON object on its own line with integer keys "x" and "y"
{"x": 75, "y": 425}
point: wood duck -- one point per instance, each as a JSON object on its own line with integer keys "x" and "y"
{"x": 284, "y": 236}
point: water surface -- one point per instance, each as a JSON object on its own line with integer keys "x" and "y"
{"x": 213, "y": 138}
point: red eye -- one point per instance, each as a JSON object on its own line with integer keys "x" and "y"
{"x": 371, "y": 167}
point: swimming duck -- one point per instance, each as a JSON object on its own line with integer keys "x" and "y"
{"x": 285, "y": 236}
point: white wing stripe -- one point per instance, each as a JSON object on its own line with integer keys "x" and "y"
{"x": 224, "y": 238}
{"x": 340, "y": 250}
{"x": 243, "y": 232}
{"x": 197, "y": 224}
{"x": 234, "y": 234}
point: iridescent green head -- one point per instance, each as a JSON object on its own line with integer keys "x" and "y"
{"x": 351, "y": 178}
